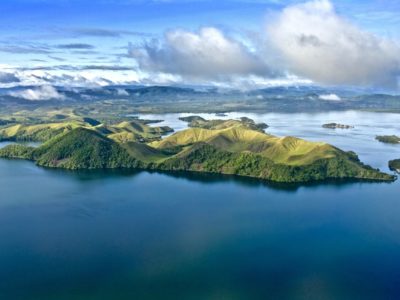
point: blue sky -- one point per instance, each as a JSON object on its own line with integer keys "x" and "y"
{"x": 79, "y": 33}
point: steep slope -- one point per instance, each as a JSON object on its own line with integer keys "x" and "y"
{"x": 144, "y": 152}
{"x": 394, "y": 165}
{"x": 17, "y": 151}
{"x": 136, "y": 130}
{"x": 288, "y": 150}
{"x": 237, "y": 150}
{"x": 38, "y": 132}
{"x": 83, "y": 149}
{"x": 202, "y": 157}
{"x": 78, "y": 149}
{"x": 243, "y": 151}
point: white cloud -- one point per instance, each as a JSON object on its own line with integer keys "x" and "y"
{"x": 330, "y": 97}
{"x": 71, "y": 78}
{"x": 208, "y": 54}
{"x": 45, "y": 92}
{"x": 122, "y": 92}
{"x": 306, "y": 43}
{"x": 251, "y": 82}
{"x": 315, "y": 42}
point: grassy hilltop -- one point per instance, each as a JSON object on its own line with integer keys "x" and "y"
{"x": 127, "y": 131}
{"x": 237, "y": 147}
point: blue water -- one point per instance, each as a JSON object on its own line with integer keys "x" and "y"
{"x": 140, "y": 235}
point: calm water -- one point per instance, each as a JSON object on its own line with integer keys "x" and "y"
{"x": 139, "y": 235}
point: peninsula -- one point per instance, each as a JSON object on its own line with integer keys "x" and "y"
{"x": 236, "y": 147}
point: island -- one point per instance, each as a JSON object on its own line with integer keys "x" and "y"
{"x": 233, "y": 147}
{"x": 337, "y": 126}
{"x": 199, "y": 122}
{"x": 394, "y": 165}
{"x": 388, "y": 139}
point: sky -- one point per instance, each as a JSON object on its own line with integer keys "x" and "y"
{"x": 236, "y": 43}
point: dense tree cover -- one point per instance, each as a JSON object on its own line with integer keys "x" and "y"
{"x": 35, "y": 133}
{"x": 199, "y": 122}
{"x": 388, "y": 139}
{"x": 394, "y": 165}
{"x": 206, "y": 158}
{"x": 17, "y": 151}
{"x": 133, "y": 130}
{"x": 83, "y": 148}
{"x": 78, "y": 149}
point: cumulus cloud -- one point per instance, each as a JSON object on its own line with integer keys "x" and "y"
{"x": 46, "y": 92}
{"x": 315, "y": 42}
{"x": 307, "y": 43}
{"x": 330, "y": 97}
{"x": 208, "y": 53}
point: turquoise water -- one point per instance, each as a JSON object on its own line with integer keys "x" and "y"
{"x": 140, "y": 235}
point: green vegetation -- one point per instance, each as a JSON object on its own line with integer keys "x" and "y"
{"x": 78, "y": 149}
{"x": 388, "y": 139}
{"x": 127, "y": 131}
{"x": 17, "y": 151}
{"x": 199, "y": 122}
{"x": 226, "y": 147}
{"x": 37, "y": 132}
{"x": 287, "y": 150}
{"x": 135, "y": 130}
{"x": 146, "y": 153}
{"x": 394, "y": 165}
{"x": 206, "y": 158}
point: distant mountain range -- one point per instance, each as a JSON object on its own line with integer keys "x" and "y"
{"x": 306, "y": 98}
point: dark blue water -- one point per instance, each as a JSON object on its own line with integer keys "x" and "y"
{"x": 139, "y": 235}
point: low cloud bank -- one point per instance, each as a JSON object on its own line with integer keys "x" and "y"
{"x": 45, "y": 92}
{"x": 330, "y": 97}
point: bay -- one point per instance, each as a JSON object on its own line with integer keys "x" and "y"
{"x": 141, "y": 235}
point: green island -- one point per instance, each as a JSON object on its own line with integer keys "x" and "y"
{"x": 337, "y": 126}
{"x": 234, "y": 147}
{"x": 388, "y": 139}
{"x": 199, "y": 122}
{"x": 394, "y": 165}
